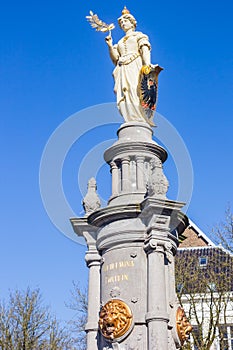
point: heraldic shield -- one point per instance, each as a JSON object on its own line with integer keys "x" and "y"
{"x": 148, "y": 89}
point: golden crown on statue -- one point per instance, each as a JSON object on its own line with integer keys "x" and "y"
{"x": 125, "y": 11}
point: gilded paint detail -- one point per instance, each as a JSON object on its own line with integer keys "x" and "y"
{"x": 115, "y": 319}
{"x": 183, "y": 326}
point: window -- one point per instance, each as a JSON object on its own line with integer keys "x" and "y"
{"x": 211, "y": 287}
{"x": 179, "y": 287}
{"x": 203, "y": 261}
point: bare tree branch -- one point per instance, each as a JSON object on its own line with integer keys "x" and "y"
{"x": 79, "y": 304}
{"x": 26, "y": 324}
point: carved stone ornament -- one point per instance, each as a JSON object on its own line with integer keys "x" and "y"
{"x": 91, "y": 201}
{"x": 183, "y": 326}
{"x": 115, "y": 292}
{"x": 158, "y": 184}
{"x": 115, "y": 319}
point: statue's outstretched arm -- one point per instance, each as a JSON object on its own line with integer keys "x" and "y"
{"x": 112, "y": 49}
{"x": 146, "y": 57}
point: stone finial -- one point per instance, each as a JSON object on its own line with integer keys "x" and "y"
{"x": 91, "y": 201}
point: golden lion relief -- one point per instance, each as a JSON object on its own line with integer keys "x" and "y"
{"x": 115, "y": 319}
{"x": 183, "y": 326}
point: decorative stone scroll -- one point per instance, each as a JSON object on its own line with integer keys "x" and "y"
{"x": 115, "y": 319}
{"x": 183, "y": 326}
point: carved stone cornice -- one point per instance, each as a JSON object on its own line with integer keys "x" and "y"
{"x": 132, "y": 147}
{"x": 81, "y": 226}
{"x": 110, "y": 214}
{"x": 154, "y": 209}
{"x": 89, "y": 232}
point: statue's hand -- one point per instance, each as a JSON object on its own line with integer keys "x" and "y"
{"x": 146, "y": 69}
{"x": 108, "y": 40}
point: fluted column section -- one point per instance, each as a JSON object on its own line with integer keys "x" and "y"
{"x": 157, "y": 317}
{"x": 125, "y": 174}
{"x": 93, "y": 260}
{"x": 115, "y": 179}
{"x": 140, "y": 172}
{"x": 170, "y": 276}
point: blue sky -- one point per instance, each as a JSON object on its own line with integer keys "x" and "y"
{"x": 52, "y": 65}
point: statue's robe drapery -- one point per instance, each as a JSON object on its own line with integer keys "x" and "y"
{"x": 126, "y": 75}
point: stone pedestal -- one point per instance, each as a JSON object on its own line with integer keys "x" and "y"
{"x": 132, "y": 159}
{"x": 131, "y": 248}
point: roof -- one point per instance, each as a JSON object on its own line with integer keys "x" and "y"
{"x": 195, "y": 237}
{"x": 199, "y": 267}
{"x": 197, "y": 240}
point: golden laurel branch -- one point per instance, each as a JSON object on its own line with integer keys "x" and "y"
{"x": 99, "y": 25}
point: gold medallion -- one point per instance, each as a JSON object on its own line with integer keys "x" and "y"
{"x": 183, "y": 326}
{"x": 115, "y": 319}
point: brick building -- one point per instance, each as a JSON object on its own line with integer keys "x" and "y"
{"x": 205, "y": 289}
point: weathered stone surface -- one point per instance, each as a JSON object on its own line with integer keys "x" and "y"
{"x": 91, "y": 201}
{"x": 131, "y": 246}
{"x": 132, "y": 158}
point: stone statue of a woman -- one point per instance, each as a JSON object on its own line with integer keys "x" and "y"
{"x": 131, "y": 56}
